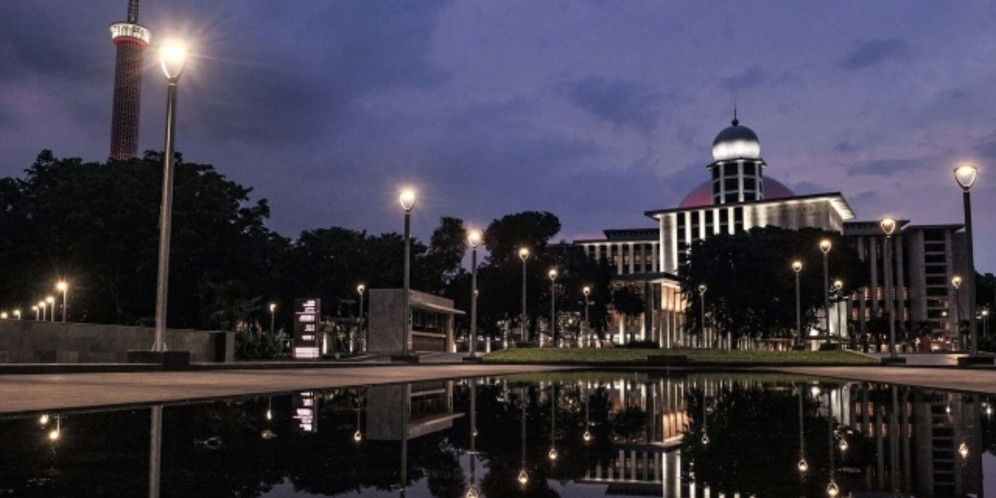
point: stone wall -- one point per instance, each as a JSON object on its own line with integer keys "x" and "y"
{"x": 29, "y": 341}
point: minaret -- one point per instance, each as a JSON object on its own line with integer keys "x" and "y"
{"x": 131, "y": 40}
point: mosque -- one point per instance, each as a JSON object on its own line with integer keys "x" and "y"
{"x": 738, "y": 196}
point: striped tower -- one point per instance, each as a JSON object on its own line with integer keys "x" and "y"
{"x": 131, "y": 40}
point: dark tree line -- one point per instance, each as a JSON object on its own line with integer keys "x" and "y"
{"x": 96, "y": 226}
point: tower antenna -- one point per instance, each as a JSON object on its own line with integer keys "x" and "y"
{"x": 735, "y": 120}
{"x": 133, "y": 11}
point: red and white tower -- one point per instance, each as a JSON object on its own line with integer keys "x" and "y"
{"x": 131, "y": 40}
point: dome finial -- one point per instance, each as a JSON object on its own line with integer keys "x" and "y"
{"x": 735, "y": 120}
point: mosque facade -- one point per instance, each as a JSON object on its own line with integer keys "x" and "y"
{"x": 738, "y": 196}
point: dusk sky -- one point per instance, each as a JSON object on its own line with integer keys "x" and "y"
{"x": 593, "y": 110}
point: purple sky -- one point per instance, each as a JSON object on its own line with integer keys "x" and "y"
{"x": 594, "y": 110}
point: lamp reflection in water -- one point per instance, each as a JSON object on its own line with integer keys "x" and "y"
{"x": 523, "y": 476}
{"x": 472, "y": 454}
{"x": 705, "y": 419}
{"x": 832, "y": 489}
{"x": 358, "y": 435}
{"x": 155, "y": 449}
{"x": 803, "y": 465}
{"x": 587, "y": 417}
{"x": 56, "y": 432}
{"x": 553, "y": 422}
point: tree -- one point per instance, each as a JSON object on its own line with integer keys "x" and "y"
{"x": 627, "y": 302}
{"x": 751, "y": 286}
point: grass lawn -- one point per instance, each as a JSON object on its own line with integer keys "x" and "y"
{"x": 638, "y": 356}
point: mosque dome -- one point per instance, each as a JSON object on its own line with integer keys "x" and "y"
{"x": 702, "y": 195}
{"x": 736, "y": 142}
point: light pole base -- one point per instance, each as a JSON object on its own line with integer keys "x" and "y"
{"x": 170, "y": 360}
{"x": 888, "y": 360}
{"x": 970, "y": 361}
{"x": 404, "y": 358}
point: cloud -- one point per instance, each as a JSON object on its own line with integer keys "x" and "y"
{"x": 986, "y": 150}
{"x": 886, "y": 167}
{"x": 844, "y": 146}
{"x": 625, "y": 104}
{"x": 874, "y": 52}
{"x": 746, "y": 80}
{"x": 806, "y": 188}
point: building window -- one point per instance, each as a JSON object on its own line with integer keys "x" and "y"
{"x": 731, "y": 198}
{"x": 731, "y": 184}
{"x": 750, "y": 183}
{"x": 715, "y": 172}
{"x": 749, "y": 169}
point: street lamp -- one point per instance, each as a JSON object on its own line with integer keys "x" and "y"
{"x": 17, "y": 314}
{"x": 837, "y": 286}
{"x": 587, "y": 326}
{"x": 360, "y": 289}
{"x": 63, "y": 287}
{"x": 965, "y": 175}
{"x": 42, "y": 305}
{"x": 803, "y": 465}
{"x": 553, "y": 422}
{"x": 51, "y": 306}
{"x": 173, "y": 59}
{"x": 702, "y": 291}
{"x": 523, "y": 255}
{"x": 553, "y": 307}
{"x": 888, "y": 226}
{"x": 273, "y": 314}
{"x": 825, "y": 249}
{"x": 797, "y": 267}
{"x": 3, "y": 315}
{"x": 35, "y": 309}
{"x": 407, "y": 200}
{"x": 473, "y": 240}
{"x": 956, "y": 283}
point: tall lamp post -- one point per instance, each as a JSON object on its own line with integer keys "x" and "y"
{"x": 17, "y": 314}
{"x": 360, "y": 289}
{"x": 523, "y": 255}
{"x": 587, "y": 326}
{"x": 51, "y": 306}
{"x": 888, "y": 226}
{"x": 39, "y": 307}
{"x": 407, "y": 203}
{"x": 173, "y": 58}
{"x": 702, "y": 291}
{"x": 797, "y": 267}
{"x": 63, "y": 287}
{"x": 837, "y": 286}
{"x": 473, "y": 240}
{"x": 956, "y": 283}
{"x": 825, "y": 249}
{"x": 965, "y": 175}
{"x": 273, "y": 315}
{"x": 553, "y": 307}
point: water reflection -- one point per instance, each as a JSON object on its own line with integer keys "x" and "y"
{"x": 702, "y": 435}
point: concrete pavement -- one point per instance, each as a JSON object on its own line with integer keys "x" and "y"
{"x": 949, "y": 379}
{"x": 32, "y": 393}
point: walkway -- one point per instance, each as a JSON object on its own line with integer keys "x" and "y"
{"x": 31, "y": 393}
{"x": 951, "y": 379}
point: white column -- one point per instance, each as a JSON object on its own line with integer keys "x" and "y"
{"x": 619, "y": 258}
{"x": 632, "y": 257}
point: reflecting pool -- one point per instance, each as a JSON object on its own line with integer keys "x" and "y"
{"x": 540, "y": 435}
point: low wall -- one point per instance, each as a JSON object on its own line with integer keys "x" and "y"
{"x": 29, "y": 341}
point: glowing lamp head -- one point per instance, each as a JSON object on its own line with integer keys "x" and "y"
{"x": 361, "y": 288}
{"x": 472, "y": 493}
{"x": 552, "y": 454}
{"x": 49, "y": 299}
{"x": 888, "y": 226}
{"x": 552, "y": 273}
{"x": 797, "y": 266}
{"x": 825, "y": 246}
{"x": 842, "y": 444}
{"x": 705, "y": 440}
{"x": 963, "y": 450}
{"x": 41, "y": 304}
{"x": 3, "y": 315}
{"x": 956, "y": 282}
{"x": 62, "y": 286}
{"x": 587, "y": 436}
{"x": 34, "y": 308}
{"x": 965, "y": 174}
{"x": 803, "y": 465}
{"x": 702, "y": 289}
{"x": 53, "y": 435}
{"x": 523, "y": 477}
{"x": 273, "y": 307}
{"x": 524, "y": 254}
{"x": 586, "y": 290}
{"x": 43, "y": 420}
{"x": 832, "y": 489}
{"x": 17, "y": 313}
{"x": 474, "y": 239}
{"x": 838, "y": 285}
{"x": 269, "y": 414}
{"x": 173, "y": 58}
{"x": 357, "y": 436}
{"x": 407, "y": 200}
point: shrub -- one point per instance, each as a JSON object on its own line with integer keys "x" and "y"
{"x": 254, "y": 343}
{"x": 642, "y": 345}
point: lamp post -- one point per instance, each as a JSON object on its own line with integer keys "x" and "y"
{"x": 702, "y": 291}
{"x": 51, "y": 306}
{"x": 360, "y": 289}
{"x": 832, "y": 488}
{"x": 407, "y": 203}
{"x": 803, "y": 465}
{"x": 523, "y": 255}
{"x": 553, "y": 307}
{"x": 825, "y": 249}
{"x": 63, "y": 287}
{"x": 17, "y": 314}
{"x": 837, "y": 286}
{"x": 965, "y": 175}
{"x": 797, "y": 267}
{"x": 35, "y": 309}
{"x": 273, "y": 314}
{"x": 41, "y": 304}
{"x": 956, "y": 283}
{"x": 553, "y": 423}
{"x": 473, "y": 240}
{"x": 587, "y": 326}
{"x": 173, "y": 59}
{"x": 888, "y": 225}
